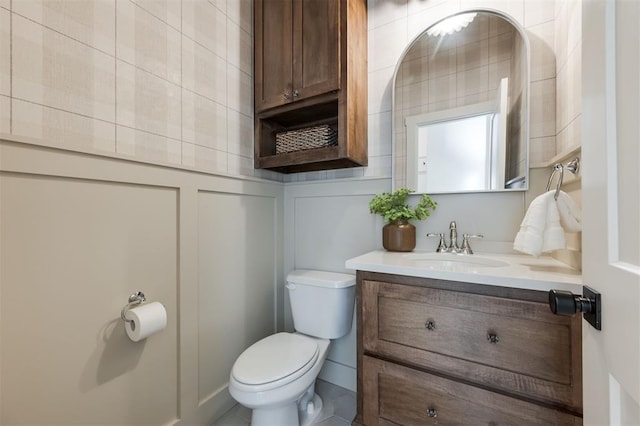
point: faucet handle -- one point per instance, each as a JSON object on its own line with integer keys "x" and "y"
{"x": 441, "y": 247}
{"x": 466, "y": 248}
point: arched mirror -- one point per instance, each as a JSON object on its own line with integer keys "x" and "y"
{"x": 461, "y": 107}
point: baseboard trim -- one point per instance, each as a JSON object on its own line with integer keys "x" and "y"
{"x": 339, "y": 374}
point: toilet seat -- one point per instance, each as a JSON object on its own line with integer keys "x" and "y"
{"x": 275, "y": 361}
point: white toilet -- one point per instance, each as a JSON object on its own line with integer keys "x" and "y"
{"x": 276, "y": 376}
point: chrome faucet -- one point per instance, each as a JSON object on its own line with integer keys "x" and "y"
{"x": 441, "y": 246}
{"x": 453, "y": 238}
{"x": 453, "y": 241}
{"x": 466, "y": 248}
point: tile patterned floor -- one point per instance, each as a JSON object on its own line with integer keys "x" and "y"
{"x": 339, "y": 408}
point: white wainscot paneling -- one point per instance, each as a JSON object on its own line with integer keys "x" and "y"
{"x": 80, "y": 233}
{"x": 496, "y": 215}
{"x": 73, "y": 250}
{"x": 329, "y": 229}
{"x": 327, "y": 223}
{"x": 237, "y": 258}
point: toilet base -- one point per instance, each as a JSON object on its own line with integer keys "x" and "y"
{"x": 286, "y": 415}
{"x": 293, "y": 414}
{"x": 309, "y": 414}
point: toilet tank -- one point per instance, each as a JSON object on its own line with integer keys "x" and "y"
{"x": 321, "y": 302}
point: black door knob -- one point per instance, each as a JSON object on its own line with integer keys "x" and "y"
{"x": 566, "y": 303}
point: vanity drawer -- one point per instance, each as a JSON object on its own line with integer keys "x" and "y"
{"x": 514, "y": 345}
{"x": 395, "y": 394}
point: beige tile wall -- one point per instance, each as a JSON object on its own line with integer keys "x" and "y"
{"x": 162, "y": 81}
{"x": 54, "y": 70}
{"x": 71, "y": 130}
{"x": 5, "y": 52}
{"x": 5, "y": 67}
{"x": 568, "y": 46}
{"x": 171, "y": 80}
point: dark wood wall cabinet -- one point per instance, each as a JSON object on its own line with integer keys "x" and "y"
{"x": 434, "y": 351}
{"x": 310, "y": 70}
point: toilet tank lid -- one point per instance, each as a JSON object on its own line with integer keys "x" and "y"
{"x": 321, "y": 278}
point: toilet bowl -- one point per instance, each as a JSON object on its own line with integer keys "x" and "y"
{"x": 275, "y": 376}
{"x": 273, "y": 393}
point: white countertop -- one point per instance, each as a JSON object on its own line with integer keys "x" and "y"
{"x": 519, "y": 271}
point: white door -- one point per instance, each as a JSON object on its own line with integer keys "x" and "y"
{"x": 611, "y": 199}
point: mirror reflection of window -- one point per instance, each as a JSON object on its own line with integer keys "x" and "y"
{"x": 463, "y": 151}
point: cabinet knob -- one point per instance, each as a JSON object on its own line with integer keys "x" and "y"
{"x": 493, "y": 338}
{"x": 296, "y": 94}
{"x": 430, "y": 325}
{"x": 432, "y": 412}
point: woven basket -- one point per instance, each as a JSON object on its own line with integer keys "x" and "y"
{"x": 309, "y": 138}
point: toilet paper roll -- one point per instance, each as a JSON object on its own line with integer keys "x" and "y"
{"x": 146, "y": 320}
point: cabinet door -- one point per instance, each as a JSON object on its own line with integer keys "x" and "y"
{"x": 273, "y": 52}
{"x": 316, "y": 47}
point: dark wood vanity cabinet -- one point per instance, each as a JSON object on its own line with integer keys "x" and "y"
{"x": 310, "y": 68}
{"x": 433, "y": 351}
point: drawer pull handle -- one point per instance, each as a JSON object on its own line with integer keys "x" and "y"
{"x": 432, "y": 412}
{"x": 493, "y": 338}
{"x": 430, "y": 325}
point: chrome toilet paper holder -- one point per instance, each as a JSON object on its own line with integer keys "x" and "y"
{"x": 136, "y": 298}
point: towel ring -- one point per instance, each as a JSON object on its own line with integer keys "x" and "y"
{"x": 557, "y": 168}
{"x": 573, "y": 166}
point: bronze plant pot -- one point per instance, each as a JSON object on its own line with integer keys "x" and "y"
{"x": 399, "y": 236}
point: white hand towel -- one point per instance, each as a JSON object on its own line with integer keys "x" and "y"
{"x": 570, "y": 215}
{"x": 540, "y": 230}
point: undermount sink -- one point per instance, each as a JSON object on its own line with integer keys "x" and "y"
{"x": 448, "y": 260}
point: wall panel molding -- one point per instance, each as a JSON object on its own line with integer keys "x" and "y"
{"x": 328, "y": 222}
{"x": 144, "y": 222}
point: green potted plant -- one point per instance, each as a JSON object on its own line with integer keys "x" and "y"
{"x": 398, "y": 234}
